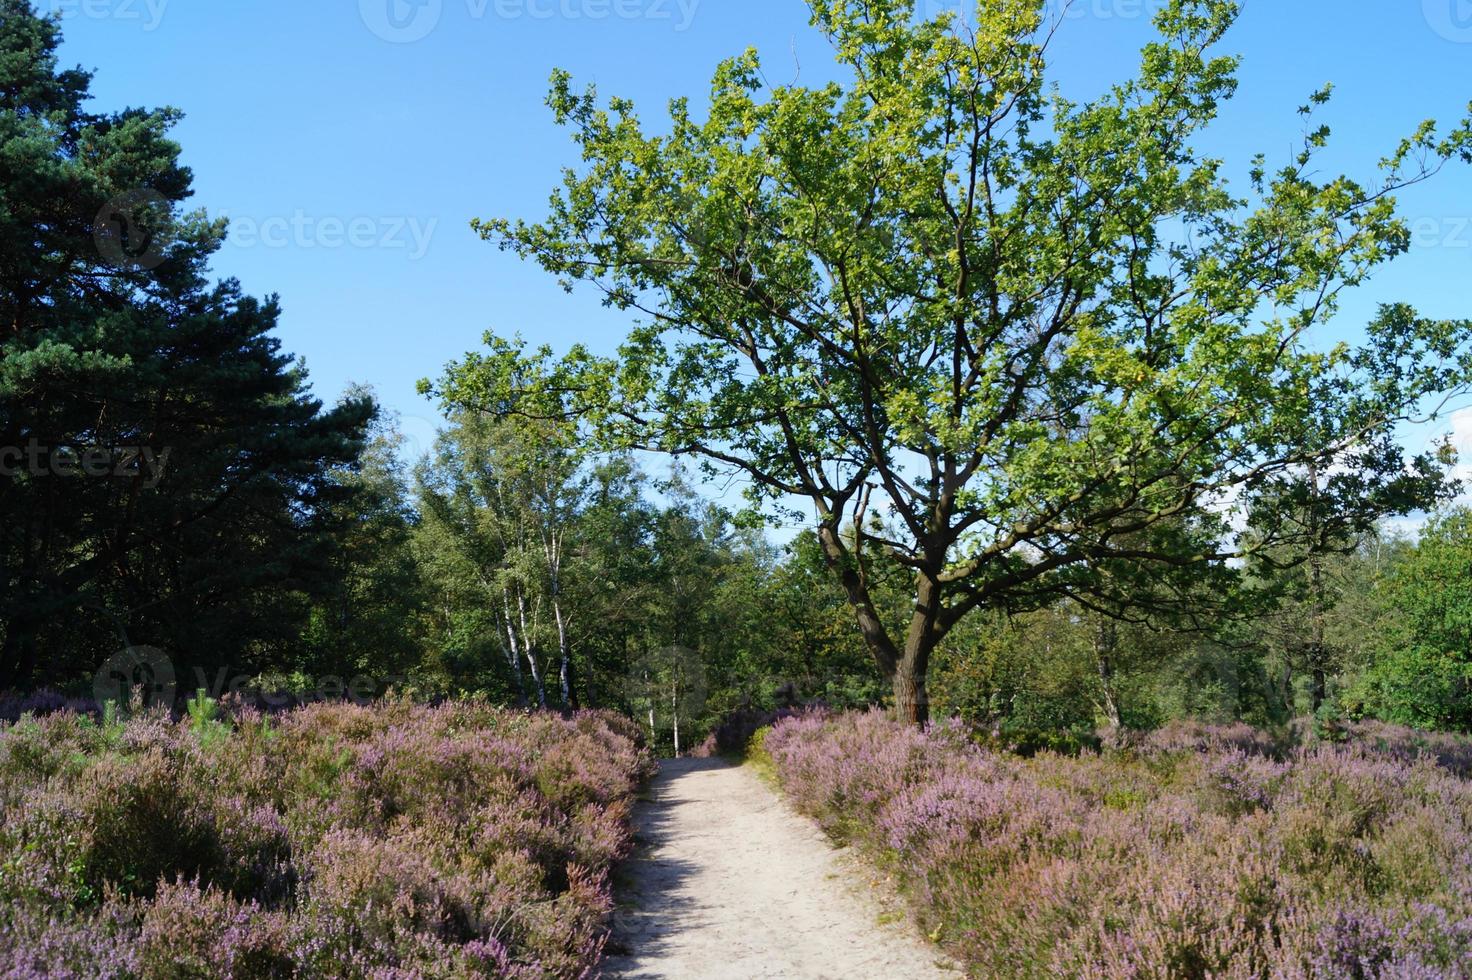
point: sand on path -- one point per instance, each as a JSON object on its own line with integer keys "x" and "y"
{"x": 728, "y": 883}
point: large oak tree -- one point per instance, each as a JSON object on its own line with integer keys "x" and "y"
{"x": 1029, "y": 338}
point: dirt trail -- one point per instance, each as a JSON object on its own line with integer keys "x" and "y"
{"x": 729, "y": 884}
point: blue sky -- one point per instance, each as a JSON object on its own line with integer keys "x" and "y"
{"x": 351, "y": 141}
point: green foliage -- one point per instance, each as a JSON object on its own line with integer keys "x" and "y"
{"x": 757, "y": 756}
{"x": 366, "y": 617}
{"x": 502, "y": 540}
{"x": 203, "y": 710}
{"x": 1039, "y": 335}
{"x": 893, "y": 302}
{"x": 205, "y": 722}
{"x": 1423, "y": 675}
{"x": 117, "y": 341}
{"x": 645, "y": 594}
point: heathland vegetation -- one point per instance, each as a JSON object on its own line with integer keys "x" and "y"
{"x": 333, "y": 841}
{"x": 1042, "y": 457}
{"x": 1193, "y": 852}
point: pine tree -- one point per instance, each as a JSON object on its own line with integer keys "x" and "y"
{"x": 203, "y": 508}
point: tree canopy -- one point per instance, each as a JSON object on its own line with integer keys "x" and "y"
{"x": 200, "y": 520}
{"x": 1005, "y": 339}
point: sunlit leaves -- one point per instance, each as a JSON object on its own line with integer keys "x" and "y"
{"x": 1033, "y": 326}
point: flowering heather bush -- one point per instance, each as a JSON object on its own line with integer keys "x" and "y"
{"x": 1199, "y": 853}
{"x": 1193, "y": 736}
{"x": 1449, "y": 750}
{"x": 337, "y": 840}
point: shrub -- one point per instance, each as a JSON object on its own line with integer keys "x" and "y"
{"x": 1198, "y": 852}
{"x": 36, "y": 944}
{"x": 190, "y": 932}
{"x": 1446, "y": 749}
{"x": 335, "y": 840}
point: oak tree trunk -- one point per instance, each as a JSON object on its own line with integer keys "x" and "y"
{"x": 911, "y": 700}
{"x": 911, "y": 703}
{"x": 906, "y": 668}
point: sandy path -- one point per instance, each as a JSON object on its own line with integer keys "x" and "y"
{"x": 729, "y": 884}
